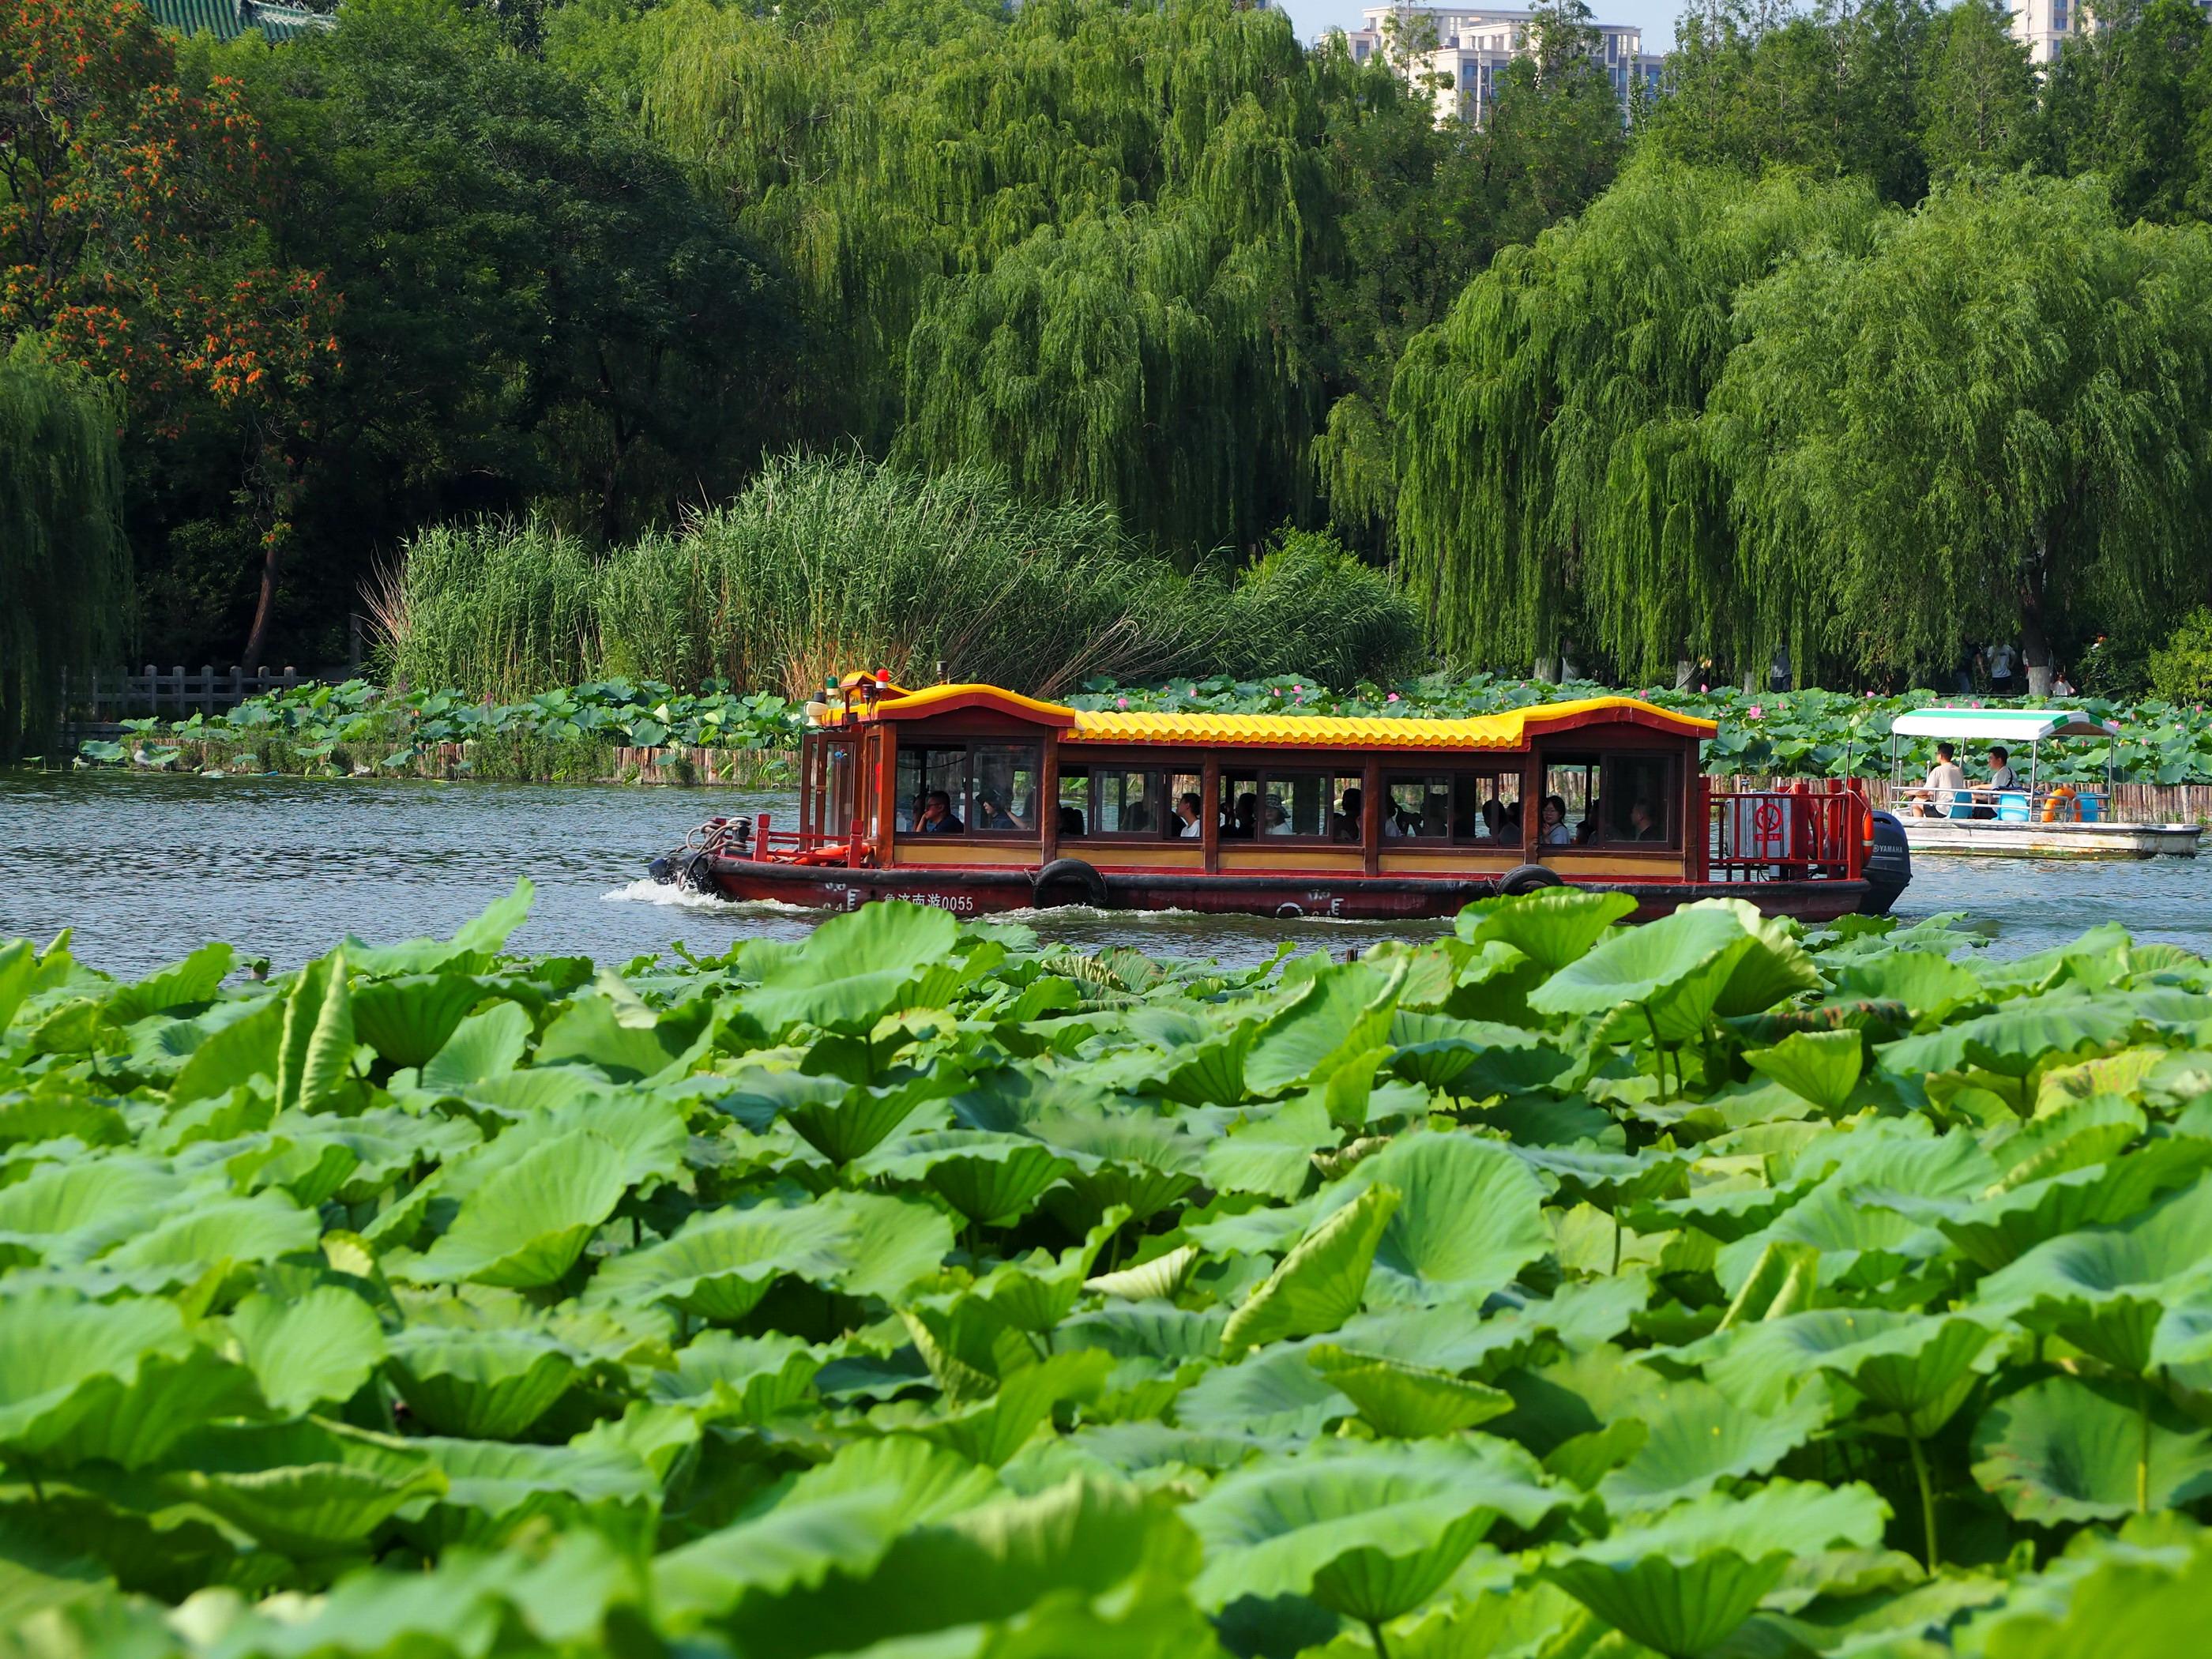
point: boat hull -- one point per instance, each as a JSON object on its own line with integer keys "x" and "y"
{"x": 1335, "y": 896}
{"x": 1991, "y": 838}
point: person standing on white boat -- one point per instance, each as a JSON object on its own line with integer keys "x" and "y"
{"x": 1945, "y": 780}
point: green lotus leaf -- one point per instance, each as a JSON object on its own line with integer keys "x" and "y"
{"x": 751, "y": 1377}
{"x": 860, "y": 1119}
{"x": 315, "y": 1056}
{"x": 1683, "y": 1583}
{"x": 853, "y": 969}
{"x": 69, "y": 1212}
{"x": 1926, "y": 984}
{"x": 722, "y": 1262}
{"x": 243, "y": 1048}
{"x": 408, "y": 1020}
{"x": 991, "y": 1179}
{"x": 1819, "y": 1067}
{"x": 1272, "y": 1395}
{"x": 119, "y": 1381}
{"x": 1611, "y": 1181}
{"x": 2014, "y": 1040}
{"x": 192, "y": 1239}
{"x": 2073, "y": 1449}
{"x": 529, "y": 1222}
{"x": 1270, "y": 1530}
{"x": 187, "y": 984}
{"x": 306, "y": 1488}
{"x": 2074, "y": 1135}
{"x": 1338, "y": 1012}
{"x": 624, "y": 1039}
{"x": 486, "y": 1385}
{"x": 319, "y": 1347}
{"x": 469, "y": 952}
{"x": 493, "y": 1490}
{"x": 1552, "y": 927}
{"x": 891, "y": 1242}
{"x": 2105, "y": 1289}
{"x": 1319, "y": 1284}
{"x": 1699, "y": 1436}
{"x": 1211, "y": 1071}
{"x": 1143, "y": 1189}
{"x": 1402, "y": 1402}
{"x": 2144, "y": 1597}
{"x": 1469, "y": 1216}
{"x": 1777, "y": 966}
{"x": 1861, "y": 1245}
{"x": 1155, "y": 1330}
{"x": 1034, "y": 1293}
{"x": 479, "y": 1048}
{"x": 1666, "y": 977}
{"x": 1159, "y": 1279}
{"x": 989, "y": 1432}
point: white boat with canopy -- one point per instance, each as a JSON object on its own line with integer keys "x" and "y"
{"x": 2036, "y": 820}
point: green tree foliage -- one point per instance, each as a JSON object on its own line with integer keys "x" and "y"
{"x": 64, "y": 566}
{"x": 2129, "y": 101}
{"x": 1553, "y": 471}
{"x": 2181, "y": 669}
{"x": 539, "y": 310}
{"x": 1832, "y": 91}
{"x": 1996, "y": 418}
{"x": 1981, "y": 92}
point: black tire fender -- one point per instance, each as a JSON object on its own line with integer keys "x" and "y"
{"x": 1086, "y": 876}
{"x": 1527, "y": 878}
{"x": 699, "y": 874}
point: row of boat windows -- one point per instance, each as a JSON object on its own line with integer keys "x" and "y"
{"x": 993, "y": 789}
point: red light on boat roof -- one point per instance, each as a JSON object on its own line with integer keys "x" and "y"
{"x": 883, "y": 680}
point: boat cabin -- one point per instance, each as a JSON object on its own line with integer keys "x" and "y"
{"x": 977, "y": 798}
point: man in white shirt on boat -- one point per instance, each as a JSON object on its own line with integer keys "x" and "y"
{"x": 1945, "y": 780}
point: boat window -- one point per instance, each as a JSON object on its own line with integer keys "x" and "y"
{"x": 923, "y": 773}
{"x": 1003, "y": 799}
{"x": 1074, "y": 804}
{"x": 1316, "y": 805}
{"x": 1240, "y": 805}
{"x": 1486, "y": 807}
{"x": 1418, "y": 809}
{"x": 1639, "y": 798}
{"x": 1122, "y": 801}
{"x": 1569, "y": 814}
{"x": 1186, "y": 800}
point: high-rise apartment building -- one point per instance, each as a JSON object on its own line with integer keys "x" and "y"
{"x": 2044, "y": 25}
{"x": 1465, "y": 53}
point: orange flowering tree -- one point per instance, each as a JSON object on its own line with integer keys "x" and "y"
{"x": 130, "y": 213}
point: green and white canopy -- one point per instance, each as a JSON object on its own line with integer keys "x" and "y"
{"x": 2001, "y": 725}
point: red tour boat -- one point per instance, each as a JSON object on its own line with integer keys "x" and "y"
{"x": 977, "y": 799}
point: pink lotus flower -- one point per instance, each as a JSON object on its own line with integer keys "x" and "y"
{"x": 1392, "y": 698}
{"x": 1121, "y": 702}
{"x": 1756, "y": 711}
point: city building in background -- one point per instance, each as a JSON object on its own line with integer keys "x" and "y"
{"x": 1465, "y": 53}
{"x": 2045, "y": 25}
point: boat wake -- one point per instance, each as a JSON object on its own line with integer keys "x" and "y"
{"x": 646, "y": 890}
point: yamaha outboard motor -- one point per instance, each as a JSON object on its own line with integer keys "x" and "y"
{"x": 1888, "y": 864}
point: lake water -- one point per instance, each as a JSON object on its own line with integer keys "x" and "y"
{"x": 145, "y": 868}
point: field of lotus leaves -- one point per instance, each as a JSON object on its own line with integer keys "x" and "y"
{"x": 570, "y": 733}
{"x": 1555, "y": 1289}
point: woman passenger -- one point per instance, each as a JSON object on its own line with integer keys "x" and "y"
{"x": 1552, "y": 823}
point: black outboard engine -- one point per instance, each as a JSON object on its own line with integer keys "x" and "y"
{"x": 1888, "y": 864}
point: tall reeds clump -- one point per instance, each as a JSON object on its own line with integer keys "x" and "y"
{"x": 497, "y": 609}
{"x": 64, "y": 566}
{"x": 822, "y": 566}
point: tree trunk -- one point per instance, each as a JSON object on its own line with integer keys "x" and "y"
{"x": 1547, "y": 670}
{"x": 2034, "y": 636}
{"x": 256, "y": 640}
{"x": 1685, "y": 672}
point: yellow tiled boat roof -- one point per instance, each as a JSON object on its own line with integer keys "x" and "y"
{"x": 1510, "y": 730}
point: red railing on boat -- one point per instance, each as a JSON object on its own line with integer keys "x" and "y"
{"x": 1816, "y": 832}
{"x": 756, "y": 839}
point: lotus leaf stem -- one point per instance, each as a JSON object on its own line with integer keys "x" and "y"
{"x": 2142, "y": 1449}
{"x": 1381, "y": 1647}
{"x": 1935, "y": 1555}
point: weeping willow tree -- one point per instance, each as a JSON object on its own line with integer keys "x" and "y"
{"x": 1069, "y": 240}
{"x": 1554, "y": 484}
{"x": 1994, "y": 422}
{"x": 64, "y": 566}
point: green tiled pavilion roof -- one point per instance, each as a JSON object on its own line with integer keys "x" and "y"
{"x": 228, "y": 19}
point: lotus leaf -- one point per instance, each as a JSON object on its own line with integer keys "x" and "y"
{"x": 1467, "y": 1219}
{"x": 408, "y": 1020}
{"x": 527, "y": 1224}
{"x": 1551, "y": 929}
{"x": 2082, "y": 1448}
{"x": 1403, "y": 1401}
{"x": 308, "y": 1488}
{"x": 320, "y": 1346}
{"x": 724, "y": 1261}
{"x": 479, "y": 1048}
{"x": 1318, "y": 1286}
{"x": 486, "y": 1385}
{"x": 1819, "y": 1067}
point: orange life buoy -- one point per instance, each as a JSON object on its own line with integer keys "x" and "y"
{"x": 2059, "y": 805}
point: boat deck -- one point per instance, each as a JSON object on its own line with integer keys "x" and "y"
{"x": 1993, "y": 838}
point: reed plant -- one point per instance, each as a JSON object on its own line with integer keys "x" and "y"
{"x": 825, "y": 564}
{"x": 64, "y": 566}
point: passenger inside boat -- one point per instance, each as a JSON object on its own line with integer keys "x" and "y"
{"x": 936, "y": 817}
{"x": 1239, "y": 825}
{"x": 1347, "y": 824}
{"x": 1184, "y": 821}
{"x": 993, "y": 813}
{"x": 1945, "y": 780}
{"x": 1552, "y": 823}
{"x": 1643, "y": 823}
{"x": 1071, "y": 820}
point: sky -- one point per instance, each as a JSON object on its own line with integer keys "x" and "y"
{"x": 1315, "y": 17}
